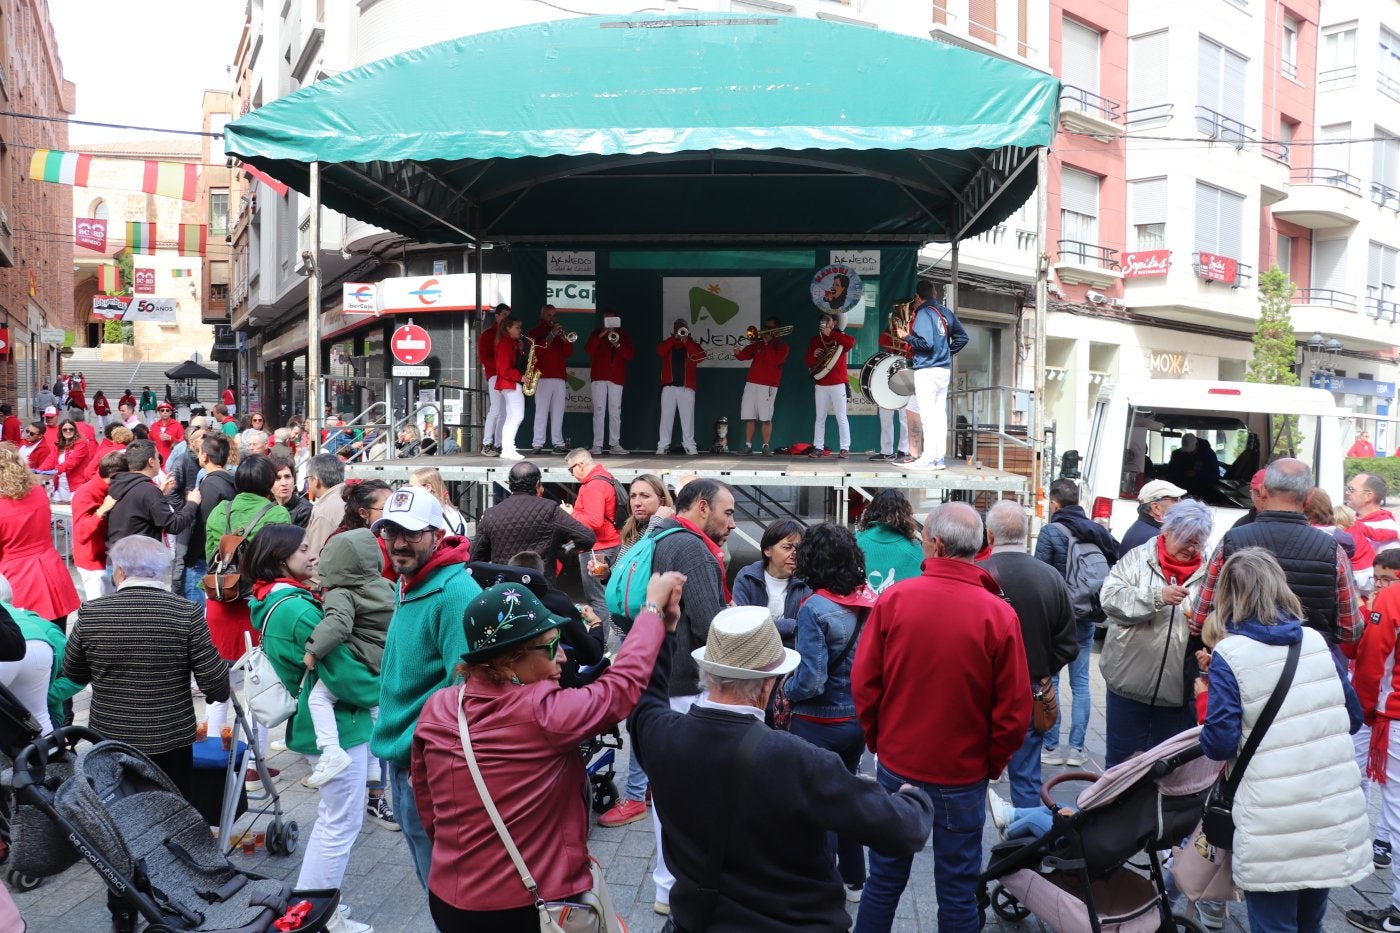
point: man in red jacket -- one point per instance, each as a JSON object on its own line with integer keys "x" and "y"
{"x": 609, "y": 348}
{"x": 596, "y": 508}
{"x": 11, "y": 430}
{"x": 90, "y": 528}
{"x": 680, "y": 355}
{"x": 768, "y": 354}
{"x": 166, "y": 432}
{"x": 552, "y": 352}
{"x": 945, "y": 701}
{"x": 1365, "y": 495}
{"x": 486, "y": 354}
{"x": 831, "y": 387}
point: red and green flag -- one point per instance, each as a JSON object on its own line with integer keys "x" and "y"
{"x": 181, "y": 273}
{"x": 141, "y": 237}
{"x": 62, "y": 168}
{"x": 194, "y": 239}
{"x": 109, "y": 278}
{"x": 171, "y": 179}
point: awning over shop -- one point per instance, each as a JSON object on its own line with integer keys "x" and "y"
{"x": 695, "y": 128}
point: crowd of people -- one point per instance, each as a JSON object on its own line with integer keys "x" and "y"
{"x": 938, "y": 647}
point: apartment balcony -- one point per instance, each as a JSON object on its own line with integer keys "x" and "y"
{"x": 1213, "y": 291}
{"x": 1275, "y": 174}
{"x": 215, "y": 308}
{"x": 1225, "y": 129}
{"x": 1384, "y": 196}
{"x": 1082, "y": 263}
{"x": 1084, "y": 111}
{"x": 1361, "y": 325}
{"x": 1336, "y": 79}
{"x": 1321, "y": 199}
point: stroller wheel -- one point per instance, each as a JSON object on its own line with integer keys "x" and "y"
{"x": 605, "y": 796}
{"x": 22, "y": 882}
{"x": 1007, "y": 907}
{"x": 289, "y": 837}
{"x": 274, "y": 839}
{"x": 158, "y": 928}
{"x": 1180, "y": 922}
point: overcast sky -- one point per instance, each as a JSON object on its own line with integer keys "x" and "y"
{"x": 144, "y": 62}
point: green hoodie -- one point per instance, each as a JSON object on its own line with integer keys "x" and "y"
{"x": 358, "y": 601}
{"x": 35, "y": 627}
{"x": 245, "y": 507}
{"x": 286, "y": 616}
{"x": 889, "y": 556}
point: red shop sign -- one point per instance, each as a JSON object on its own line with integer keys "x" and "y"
{"x": 1146, "y": 263}
{"x": 1217, "y": 268}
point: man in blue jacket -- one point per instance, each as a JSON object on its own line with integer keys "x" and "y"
{"x": 935, "y": 335}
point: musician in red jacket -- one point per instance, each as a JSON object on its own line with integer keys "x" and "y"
{"x": 552, "y": 350}
{"x": 909, "y": 424}
{"x": 680, "y": 354}
{"x": 767, "y": 355}
{"x": 486, "y": 355}
{"x": 510, "y": 369}
{"x": 609, "y": 348}
{"x": 831, "y": 385}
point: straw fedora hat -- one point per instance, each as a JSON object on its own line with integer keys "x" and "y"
{"x": 744, "y": 644}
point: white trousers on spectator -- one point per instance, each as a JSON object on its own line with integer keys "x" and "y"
{"x": 661, "y": 875}
{"x": 931, "y": 389}
{"x": 887, "y": 430}
{"x": 513, "y": 401}
{"x": 28, "y": 680}
{"x": 321, "y": 704}
{"x": 1361, "y": 741}
{"x": 831, "y": 400}
{"x": 549, "y": 411}
{"x": 339, "y": 816}
{"x": 607, "y": 398}
{"x": 94, "y": 583}
{"x": 495, "y": 413}
{"x": 677, "y": 399}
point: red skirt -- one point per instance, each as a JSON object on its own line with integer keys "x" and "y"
{"x": 227, "y": 624}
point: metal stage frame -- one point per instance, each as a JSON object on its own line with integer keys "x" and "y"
{"x": 749, "y": 475}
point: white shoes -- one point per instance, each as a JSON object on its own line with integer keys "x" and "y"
{"x": 618, "y": 450}
{"x": 999, "y": 810}
{"x": 332, "y": 761}
{"x": 339, "y": 922}
{"x": 511, "y": 454}
{"x": 1076, "y": 757}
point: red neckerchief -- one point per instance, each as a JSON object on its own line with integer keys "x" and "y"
{"x": 1170, "y": 568}
{"x": 861, "y": 598}
{"x": 712, "y": 548}
{"x": 262, "y": 587}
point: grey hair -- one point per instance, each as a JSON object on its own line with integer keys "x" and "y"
{"x": 7, "y": 595}
{"x": 958, "y": 526}
{"x": 579, "y": 456}
{"x": 1251, "y": 585}
{"x": 248, "y": 438}
{"x": 1189, "y": 520}
{"x": 748, "y": 689}
{"x": 1006, "y": 522}
{"x": 1293, "y": 478}
{"x": 198, "y": 421}
{"x": 141, "y": 558}
{"x": 327, "y": 468}
{"x": 282, "y": 435}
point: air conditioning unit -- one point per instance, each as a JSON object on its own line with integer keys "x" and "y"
{"x": 1118, "y": 303}
{"x": 1097, "y": 298}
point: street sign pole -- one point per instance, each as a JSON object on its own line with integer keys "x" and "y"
{"x": 313, "y": 314}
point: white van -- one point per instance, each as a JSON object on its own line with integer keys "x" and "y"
{"x": 1140, "y": 428}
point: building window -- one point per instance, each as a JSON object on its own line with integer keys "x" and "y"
{"x": 1329, "y": 272}
{"x": 1385, "y": 169}
{"x": 1336, "y": 59}
{"x": 218, "y": 210}
{"x": 1284, "y": 256}
{"x": 1336, "y": 151}
{"x": 1220, "y": 92}
{"x": 1079, "y": 216}
{"x": 1289, "y": 52}
{"x": 1388, "y": 68}
{"x": 982, "y": 20}
{"x": 1147, "y": 199}
{"x": 1380, "y": 277}
{"x": 1219, "y": 222}
{"x": 1147, "y": 78}
{"x": 99, "y": 210}
{"x": 1079, "y": 68}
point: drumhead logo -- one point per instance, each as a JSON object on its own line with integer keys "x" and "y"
{"x": 836, "y": 288}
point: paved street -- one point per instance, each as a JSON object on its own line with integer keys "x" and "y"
{"x": 381, "y": 887}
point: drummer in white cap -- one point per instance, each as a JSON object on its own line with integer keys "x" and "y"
{"x": 1154, "y": 499}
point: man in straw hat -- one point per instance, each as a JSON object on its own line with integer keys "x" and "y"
{"x": 749, "y": 852}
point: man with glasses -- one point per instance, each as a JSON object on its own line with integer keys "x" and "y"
{"x": 36, "y": 451}
{"x": 426, "y": 640}
{"x": 1154, "y": 499}
{"x": 325, "y": 482}
{"x": 166, "y": 432}
{"x": 596, "y": 508}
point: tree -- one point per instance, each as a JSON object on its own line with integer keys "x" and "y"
{"x": 1275, "y": 349}
{"x": 126, "y": 265}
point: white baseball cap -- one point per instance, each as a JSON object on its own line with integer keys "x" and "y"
{"x": 412, "y": 508}
{"x": 1160, "y": 489}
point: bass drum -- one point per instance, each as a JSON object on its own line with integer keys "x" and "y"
{"x": 876, "y": 377}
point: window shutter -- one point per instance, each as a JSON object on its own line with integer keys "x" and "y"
{"x": 1147, "y": 71}
{"x": 1149, "y": 201}
{"x": 1374, "y": 260}
{"x": 1386, "y": 159}
{"x": 1231, "y": 236}
{"x": 1207, "y": 207}
{"x": 1079, "y": 56}
{"x": 982, "y": 20}
{"x": 1337, "y": 155}
{"x": 1208, "y": 75}
{"x": 1232, "y": 85}
{"x": 1329, "y": 264}
{"x": 1079, "y": 192}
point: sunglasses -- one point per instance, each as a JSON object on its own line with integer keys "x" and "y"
{"x": 390, "y": 532}
{"x": 550, "y": 647}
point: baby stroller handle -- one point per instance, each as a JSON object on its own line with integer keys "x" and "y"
{"x": 1087, "y": 777}
{"x": 57, "y": 741}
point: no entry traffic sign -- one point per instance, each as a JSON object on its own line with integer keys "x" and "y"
{"x": 410, "y": 344}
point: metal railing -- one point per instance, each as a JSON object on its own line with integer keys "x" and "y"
{"x": 1088, "y": 254}
{"x": 1077, "y": 98}
{"x": 986, "y": 409}
{"x": 1335, "y": 78}
{"x": 1243, "y": 272}
{"x": 1384, "y": 195}
{"x": 1388, "y": 86}
{"x": 1331, "y": 297}
{"x": 1218, "y": 126}
{"x": 1334, "y": 177}
{"x": 1382, "y": 310}
{"x": 1151, "y": 114}
{"x": 1275, "y": 149}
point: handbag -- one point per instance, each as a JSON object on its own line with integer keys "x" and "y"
{"x": 1218, "y": 818}
{"x": 1202, "y": 871}
{"x": 224, "y": 583}
{"x": 593, "y": 912}
{"x": 1045, "y": 705}
{"x": 269, "y": 700}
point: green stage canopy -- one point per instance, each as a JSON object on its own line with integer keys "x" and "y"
{"x": 712, "y": 128}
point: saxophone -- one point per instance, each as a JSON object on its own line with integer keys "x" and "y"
{"x": 531, "y": 380}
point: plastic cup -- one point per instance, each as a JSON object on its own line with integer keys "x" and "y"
{"x": 201, "y": 731}
{"x": 226, "y": 734}
{"x": 250, "y": 843}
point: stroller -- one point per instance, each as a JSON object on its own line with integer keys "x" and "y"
{"x": 1076, "y": 878}
{"x": 152, "y": 849}
{"x": 19, "y": 728}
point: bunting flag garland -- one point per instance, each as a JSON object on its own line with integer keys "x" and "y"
{"x": 171, "y": 180}
{"x": 181, "y": 273}
{"x": 141, "y": 237}
{"x": 279, "y": 188}
{"x": 109, "y": 279}
{"x": 63, "y": 168}
{"x": 194, "y": 239}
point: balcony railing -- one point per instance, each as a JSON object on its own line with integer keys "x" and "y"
{"x": 1077, "y": 98}
{"x": 1218, "y": 126}
{"x": 1088, "y": 254}
{"x": 1383, "y": 310}
{"x": 1156, "y": 113}
{"x": 1326, "y": 176}
{"x": 1385, "y": 196}
{"x": 1325, "y": 296}
{"x": 1242, "y": 277}
{"x": 1275, "y": 149}
{"x": 1389, "y": 86}
{"x": 1336, "y": 78}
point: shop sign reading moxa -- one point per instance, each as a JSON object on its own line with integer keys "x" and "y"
{"x": 1169, "y": 364}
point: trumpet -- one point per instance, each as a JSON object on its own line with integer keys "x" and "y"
{"x": 614, "y": 337}
{"x": 559, "y": 331}
{"x": 753, "y": 333}
{"x": 683, "y": 332}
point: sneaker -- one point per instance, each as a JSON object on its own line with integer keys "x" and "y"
{"x": 1380, "y": 853}
{"x": 880, "y": 456}
{"x": 690, "y": 451}
{"x": 379, "y": 810}
{"x": 560, "y": 449}
{"x": 999, "y": 810}
{"x": 905, "y": 460}
{"x": 488, "y": 450}
{"x": 1211, "y": 914}
{"x": 1076, "y": 757}
{"x": 746, "y": 451}
{"x": 277, "y": 745}
{"x": 332, "y": 761}
{"x": 251, "y": 781}
{"x": 661, "y": 451}
{"x": 843, "y": 455}
{"x": 596, "y": 451}
{"x": 664, "y": 909}
{"x": 852, "y": 893}
{"x": 919, "y": 465}
{"x": 1051, "y": 756}
{"x": 938, "y": 465}
{"x": 617, "y": 451}
{"x": 510, "y": 455}
{"x": 537, "y": 451}
{"x": 626, "y": 811}
{"x": 767, "y": 451}
{"x": 1385, "y": 920}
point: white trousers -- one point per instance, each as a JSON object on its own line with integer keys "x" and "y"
{"x": 102, "y": 423}
{"x": 28, "y": 680}
{"x": 677, "y": 399}
{"x": 831, "y": 400}
{"x": 495, "y": 412}
{"x": 339, "y": 816}
{"x": 1361, "y": 741}
{"x": 549, "y": 411}
{"x": 607, "y": 398}
{"x": 321, "y": 704}
{"x": 513, "y": 402}
{"x": 661, "y": 875}
{"x": 95, "y": 584}
{"x": 887, "y": 430}
{"x": 931, "y": 389}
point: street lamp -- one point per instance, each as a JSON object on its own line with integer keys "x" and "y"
{"x": 1324, "y": 351}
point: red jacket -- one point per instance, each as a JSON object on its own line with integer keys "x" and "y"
{"x": 78, "y": 464}
{"x": 943, "y": 698}
{"x": 100, "y": 406}
{"x": 1362, "y": 449}
{"x": 13, "y": 431}
{"x": 1377, "y": 675}
{"x": 768, "y": 359}
{"x": 89, "y": 530}
{"x": 1378, "y": 526}
{"x": 890, "y": 344}
{"x": 486, "y": 351}
{"x": 508, "y": 374}
{"x": 694, "y": 353}
{"x": 43, "y": 456}
{"x": 104, "y": 448}
{"x": 608, "y": 363}
{"x": 127, "y": 399}
{"x": 553, "y": 360}
{"x": 596, "y": 505}
{"x": 837, "y": 375}
{"x": 76, "y": 399}
{"x": 86, "y": 430}
{"x": 169, "y": 427}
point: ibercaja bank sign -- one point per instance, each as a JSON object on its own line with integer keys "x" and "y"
{"x": 571, "y": 294}
{"x": 560, "y": 262}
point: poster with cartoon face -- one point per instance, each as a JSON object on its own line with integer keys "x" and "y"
{"x": 836, "y": 289}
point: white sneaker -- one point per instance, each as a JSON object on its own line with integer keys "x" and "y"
{"x": 1076, "y": 757}
{"x": 338, "y": 922}
{"x": 999, "y": 810}
{"x": 1052, "y": 757}
{"x": 332, "y": 761}
{"x": 511, "y": 455}
{"x": 661, "y": 451}
{"x": 618, "y": 451}
{"x": 852, "y": 894}
{"x": 277, "y": 745}
{"x": 596, "y": 451}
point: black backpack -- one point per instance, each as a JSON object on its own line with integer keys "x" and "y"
{"x": 622, "y": 507}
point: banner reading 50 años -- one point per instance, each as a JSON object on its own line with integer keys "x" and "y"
{"x": 717, "y": 311}
{"x": 113, "y": 308}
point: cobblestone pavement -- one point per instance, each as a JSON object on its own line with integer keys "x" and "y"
{"x": 381, "y": 887}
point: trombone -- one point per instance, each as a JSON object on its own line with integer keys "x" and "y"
{"x": 753, "y": 333}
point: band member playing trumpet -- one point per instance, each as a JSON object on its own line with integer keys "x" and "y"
{"x": 486, "y": 355}
{"x": 608, "y": 348}
{"x": 935, "y": 336}
{"x": 909, "y": 440}
{"x": 768, "y": 354}
{"x": 826, "y": 361}
{"x": 552, "y": 350}
{"x": 680, "y": 354}
{"x": 511, "y": 354}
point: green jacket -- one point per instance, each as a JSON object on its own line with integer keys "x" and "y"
{"x": 286, "y": 616}
{"x": 889, "y": 556}
{"x": 245, "y": 506}
{"x": 357, "y": 600}
{"x": 35, "y": 627}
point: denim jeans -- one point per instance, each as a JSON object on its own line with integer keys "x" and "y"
{"x": 189, "y": 586}
{"x": 1131, "y": 726}
{"x": 1023, "y": 770}
{"x": 959, "y": 813}
{"x": 1286, "y": 911}
{"x": 406, "y": 812}
{"x": 846, "y": 739}
{"x": 636, "y": 788}
{"x": 1079, "y": 687}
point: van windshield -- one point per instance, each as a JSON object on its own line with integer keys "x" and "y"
{"x": 1212, "y": 455}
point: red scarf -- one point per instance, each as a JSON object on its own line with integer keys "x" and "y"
{"x": 1170, "y": 568}
{"x": 262, "y": 587}
{"x": 714, "y": 550}
{"x": 861, "y": 598}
